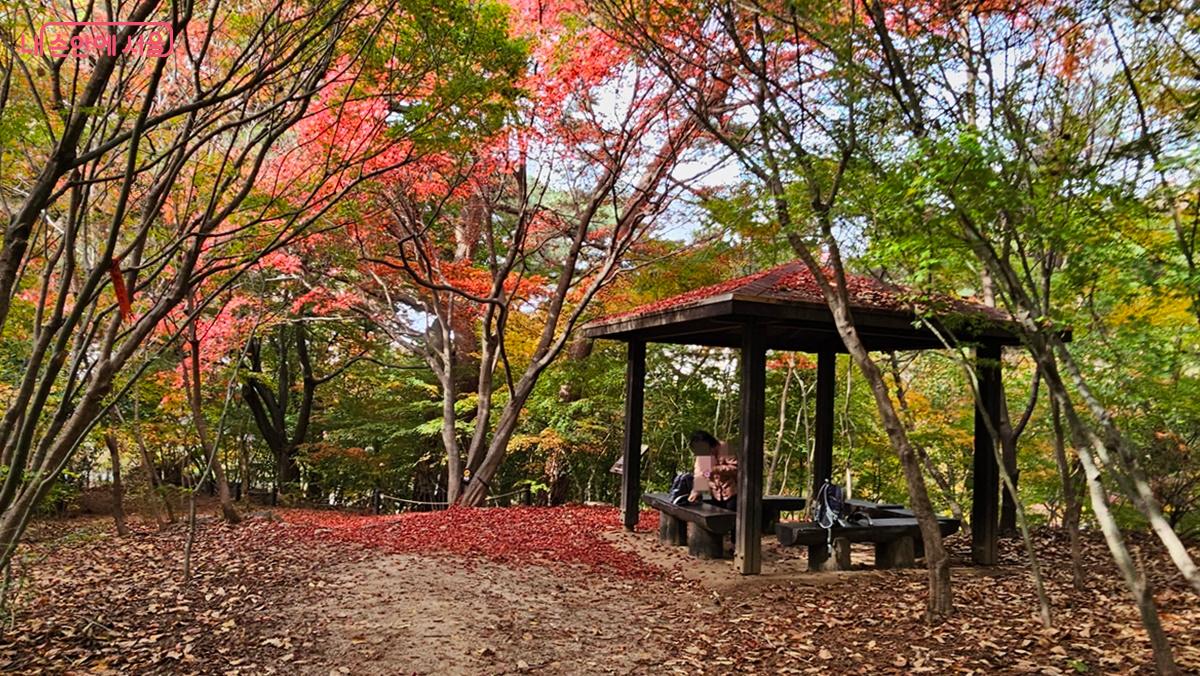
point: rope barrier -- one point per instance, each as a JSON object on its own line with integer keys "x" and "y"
{"x": 393, "y": 498}
{"x": 423, "y": 503}
{"x": 519, "y": 491}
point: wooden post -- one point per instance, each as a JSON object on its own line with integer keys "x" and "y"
{"x": 631, "y": 471}
{"x": 748, "y": 541}
{"x": 985, "y": 499}
{"x": 822, "y": 469}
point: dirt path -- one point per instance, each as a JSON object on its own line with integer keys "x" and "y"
{"x": 401, "y": 613}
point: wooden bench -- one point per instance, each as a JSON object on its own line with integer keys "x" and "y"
{"x": 706, "y": 538}
{"x": 897, "y": 540}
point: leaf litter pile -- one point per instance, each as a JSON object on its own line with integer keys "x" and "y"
{"x": 572, "y": 535}
{"x": 87, "y": 601}
{"x": 264, "y": 598}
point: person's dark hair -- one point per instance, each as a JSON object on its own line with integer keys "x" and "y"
{"x": 700, "y": 436}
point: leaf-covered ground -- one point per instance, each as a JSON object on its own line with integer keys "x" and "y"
{"x": 517, "y": 535}
{"x": 558, "y": 590}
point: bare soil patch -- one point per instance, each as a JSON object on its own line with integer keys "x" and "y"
{"x": 404, "y": 613}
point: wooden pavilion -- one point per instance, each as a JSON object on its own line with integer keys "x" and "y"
{"x": 783, "y": 309}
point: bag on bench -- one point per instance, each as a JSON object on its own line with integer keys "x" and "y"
{"x": 681, "y": 489}
{"x": 830, "y": 509}
{"x": 829, "y": 505}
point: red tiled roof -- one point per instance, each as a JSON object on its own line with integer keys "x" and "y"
{"x": 793, "y": 282}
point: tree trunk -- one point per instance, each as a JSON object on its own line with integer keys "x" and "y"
{"x": 118, "y": 491}
{"x": 286, "y": 468}
{"x": 1048, "y": 350}
{"x": 1139, "y": 586}
{"x": 454, "y": 469}
{"x": 157, "y": 491}
{"x": 996, "y": 431}
{"x": 269, "y": 409}
{"x": 244, "y": 466}
{"x": 783, "y": 397}
{"x": 211, "y": 452}
{"x": 476, "y": 492}
{"x": 1010, "y": 434}
{"x": 1072, "y": 506}
{"x": 940, "y": 602}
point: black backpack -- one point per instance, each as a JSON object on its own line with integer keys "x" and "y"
{"x": 830, "y": 505}
{"x": 681, "y": 489}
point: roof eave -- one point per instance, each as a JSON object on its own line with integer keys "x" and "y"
{"x": 714, "y": 306}
{"x": 996, "y": 329}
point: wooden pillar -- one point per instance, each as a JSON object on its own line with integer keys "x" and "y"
{"x": 631, "y": 449}
{"x": 748, "y": 540}
{"x": 985, "y": 498}
{"x": 822, "y": 469}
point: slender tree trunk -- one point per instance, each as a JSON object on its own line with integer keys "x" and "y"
{"x": 1072, "y": 507}
{"x": 940, "y": 594}
{"x": 940, "y": 602}
{"x": 244, "y": 466}
{"x": 783, "y": 398}
{"x": 810, "y": 447}
{"x": 153, "y": 497}
{"x": 211, "y": 452}
{"x": 1010, "y": 489}
{"x": 454, "y": 469}
{"x": 157, "y": 492}
{"x": 191, "y": 525}
{"x": 1139, "y": 488}
{"x": 118, "y": 491}
{"x": 442, "y": 362}
{"x": 1010, "y": 434}
{"x": 1049, "y": 351}
{"x": 1139, "y": 586}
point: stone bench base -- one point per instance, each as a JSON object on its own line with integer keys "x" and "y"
{"x": 701, "y": 542}
{"x": 897, "y": 553}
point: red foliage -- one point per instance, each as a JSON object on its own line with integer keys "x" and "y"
{"x": 571, "y": 535}
{"x": 782, "y": 361}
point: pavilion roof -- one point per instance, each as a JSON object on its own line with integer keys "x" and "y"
{"x": 791, "y": 288}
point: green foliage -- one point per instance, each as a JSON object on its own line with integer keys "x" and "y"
{"x": 62, "y": 496}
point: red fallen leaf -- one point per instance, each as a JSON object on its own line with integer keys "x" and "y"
{"x": 572, "y": 535}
